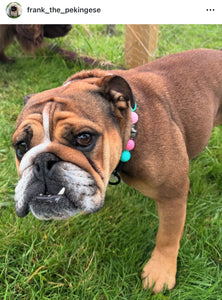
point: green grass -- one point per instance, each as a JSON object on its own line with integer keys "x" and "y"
{"x": 100, "y": 256}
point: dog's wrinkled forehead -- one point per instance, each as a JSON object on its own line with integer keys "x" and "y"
{"x": 83, "y": 99}
{"x": 71, "y": 97}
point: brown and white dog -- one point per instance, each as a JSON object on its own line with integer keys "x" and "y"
{"x": 68, "y": 140}
{"x": 30, "y": 37}
{"x": 14, "y": 10}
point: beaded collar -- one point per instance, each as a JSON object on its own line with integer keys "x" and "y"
{"x": 126, "y": 155}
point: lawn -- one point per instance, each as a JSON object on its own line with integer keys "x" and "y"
{"x": 100, "y": 256}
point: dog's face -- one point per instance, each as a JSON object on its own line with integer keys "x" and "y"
{"x": 67, "y": 141}
{"x": 14, "y": 10}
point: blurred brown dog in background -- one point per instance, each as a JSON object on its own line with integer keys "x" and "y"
{"x": 30, "y": 37}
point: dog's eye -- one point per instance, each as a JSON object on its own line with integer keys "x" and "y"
{"x": 21, "y": 148}
{"x": 84, "y": 139}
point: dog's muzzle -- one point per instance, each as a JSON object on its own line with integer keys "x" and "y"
{"x": 54, "y": 189}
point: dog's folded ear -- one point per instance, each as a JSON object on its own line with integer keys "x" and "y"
{"x": 116, "y": 89}
{"x": 113, "y": 87}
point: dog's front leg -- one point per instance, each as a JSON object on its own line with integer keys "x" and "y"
{"x": 161, "y": 268}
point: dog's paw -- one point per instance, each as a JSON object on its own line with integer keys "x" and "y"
{"x": 5, "y": 59}
{"x": 159, "y": 273}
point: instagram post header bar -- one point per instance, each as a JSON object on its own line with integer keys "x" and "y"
{"x": 111, "y": 12}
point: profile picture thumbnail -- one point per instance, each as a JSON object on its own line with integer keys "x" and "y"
{"x": 14, "y": 10}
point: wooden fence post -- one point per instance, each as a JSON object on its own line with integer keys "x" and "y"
{"x": 140, "y": 44}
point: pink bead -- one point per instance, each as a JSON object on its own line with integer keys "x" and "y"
{"x": 134, "y": 117}
{"x": 130, "y": 145}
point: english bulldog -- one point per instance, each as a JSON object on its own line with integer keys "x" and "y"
{"x": 144, "y": 123}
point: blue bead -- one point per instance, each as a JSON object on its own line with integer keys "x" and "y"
{"x": 125, "y": 156}
{"x": 135, "y": 107}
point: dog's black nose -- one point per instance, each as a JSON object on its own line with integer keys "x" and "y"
{"x": 43, "y": 165}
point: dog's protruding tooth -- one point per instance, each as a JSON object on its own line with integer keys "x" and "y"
{"x": 62, "y": 191}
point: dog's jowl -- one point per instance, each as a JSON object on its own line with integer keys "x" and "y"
{"x": 69, "y": 140}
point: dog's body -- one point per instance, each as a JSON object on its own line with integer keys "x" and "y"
{"x": 69, "y": 140}
{"x": 30, "y": 37}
